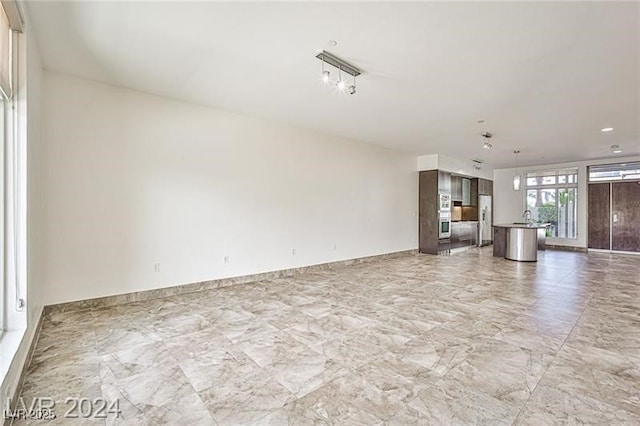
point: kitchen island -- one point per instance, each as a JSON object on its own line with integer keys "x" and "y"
{"x": 519, "y": 241}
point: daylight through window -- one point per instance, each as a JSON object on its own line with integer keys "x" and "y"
{"x": 552, "y": 198}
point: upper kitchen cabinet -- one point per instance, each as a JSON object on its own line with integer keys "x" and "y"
{"x": 464, "y": 190}
{"x": 485, "y": 187}
{"x": 444, "y": 181}
{"x": 456, "y": 188}
{"x": 473, "y": 197}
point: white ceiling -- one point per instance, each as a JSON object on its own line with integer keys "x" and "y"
{"x": 545, "y": 76}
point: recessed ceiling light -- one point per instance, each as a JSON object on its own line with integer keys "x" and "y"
{"x": 616, "y": 149}
{"x": 606, "y": 129}
{"x": 332, "y": 43}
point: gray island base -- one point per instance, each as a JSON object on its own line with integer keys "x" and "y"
{"x": 519, "y": 241}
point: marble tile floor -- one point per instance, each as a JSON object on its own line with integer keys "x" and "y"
{"x": 419, "y": 339}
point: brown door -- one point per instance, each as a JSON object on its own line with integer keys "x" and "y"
{"x": 599, "y": 216}
{"x": 625, "y": 212}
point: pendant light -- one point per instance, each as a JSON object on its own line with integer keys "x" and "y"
{"x": 516, "y": 178}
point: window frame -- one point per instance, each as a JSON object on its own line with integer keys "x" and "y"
{"x": 556, "y": 187}
{"x": 621, "y": 167}
{"x": 3, "y": 207}
{"x": 13, "y": 184}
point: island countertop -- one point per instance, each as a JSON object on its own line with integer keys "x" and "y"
{"x": 523, "y": 225}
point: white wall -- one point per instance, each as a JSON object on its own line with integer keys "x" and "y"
{"x": 428, "y": 162}
{"x": 453, "y": 165}
{"x": 463, "y": 167}
{"x": 134, "y": 179}
{"x": 35, "y": 193}
{"x": 508, "y": 205}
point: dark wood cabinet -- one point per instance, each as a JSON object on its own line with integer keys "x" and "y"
{"x": 428, "y": 186}
{"x": 499, "y": 241}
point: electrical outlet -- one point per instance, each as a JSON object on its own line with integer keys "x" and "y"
{"x": 334, "y": 247}
{"x": 293, "y": 252}
{"x": 226, "y": 259}
{"x": 156, "y": 267}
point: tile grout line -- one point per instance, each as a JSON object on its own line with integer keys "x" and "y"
{"x": 555, "y": 355}
{"x": 393, "y": 291}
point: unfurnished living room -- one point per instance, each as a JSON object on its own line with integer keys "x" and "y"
{"x": 308, "y": 213}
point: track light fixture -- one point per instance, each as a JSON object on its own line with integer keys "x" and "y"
{"x": 343, "y": 67}
{"x": 487, "y": 144}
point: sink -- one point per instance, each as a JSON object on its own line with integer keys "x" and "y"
{"x": 522, "y": 223}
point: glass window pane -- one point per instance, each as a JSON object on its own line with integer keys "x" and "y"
{"x": 548, "y": 180}
{"x": 532, "y": 198}
{"x": 542, "y": 203}
{"x": 551, "y": 197}
{"x": 567, "y": 210}
{"x": 614, "y": 171}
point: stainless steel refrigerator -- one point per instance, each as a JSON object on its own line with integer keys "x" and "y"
{"x": 485, "y": 232}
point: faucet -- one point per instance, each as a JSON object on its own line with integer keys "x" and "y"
{"x": 527, "y": 216}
